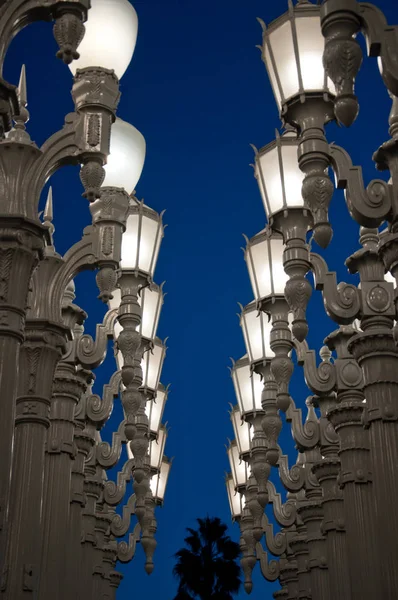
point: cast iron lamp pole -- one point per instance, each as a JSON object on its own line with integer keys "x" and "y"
{"x": 352, "y": 457}
{"x": 56, "y": 455}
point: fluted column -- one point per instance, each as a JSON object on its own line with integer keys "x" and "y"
{"x": 92, "y": 563}
{"x": 20, "y": 243}
{"x": 74, "y": 564}
{"x": 69, "y": 385}
{"x": 327, "y": 471}
{"x": 42, "y": 349}
{"x": 356, "y": 476}
{"x": 377, "y": 355}
{"x": 309, "y": 508}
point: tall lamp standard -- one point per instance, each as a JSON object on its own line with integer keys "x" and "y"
{"x": 56, "y": 538}
{"x": 344, "y": 475}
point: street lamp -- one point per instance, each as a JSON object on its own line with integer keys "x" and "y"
{"x": 110, "y": 37}
{"x": 342, "y": 477}
{"x": 61, "y": 538}
{"x": 159, "y": 481}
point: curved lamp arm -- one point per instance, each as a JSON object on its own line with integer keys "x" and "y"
{"x": 108, "y": 455}
{"x": 91, "y": 353}
{"x": 269, "y": 569}
{"x": 114, "y": 493}
{"x": 342, "y": 301}
{"x": 126, "y": 551}
{"x": 285, "y": 514}
{"x": 305, "y": 435}
{"x": 382, "y": 41}
{"x": 276, "y": 543}
{"x": 320, "y": 379}
{"x": 293, "y": 479}
{"x": 69, "y": 17}
{"x": 121, "y": 524}
{"x": 370, "y": 206}
{"x": 97, "y": 410}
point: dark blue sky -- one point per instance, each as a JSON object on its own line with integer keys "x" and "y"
{"x": 199, "y": 93}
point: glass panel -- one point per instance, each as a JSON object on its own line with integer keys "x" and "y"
{"x": 248, "y": 388}
{"x": 154, "y": 410}
{"x": 156, "y": 449}
{"x": 235, "y": 498}
{"x": 272, "y": 180}
{"x": 281, "y": 41}
{"x": 239, "y": 467}
{"x": 130, "y": 242}
{"x": 259, "y": 269}
{"x": 127, "y": 156}
{"x": 279, "y": 276}
{"x": 257, "y": 335}
{"x": 115, "y": 302}
{"x": 159, "y": 482}
{"x": 311, "y": 45}
{"x": 152, "y": 365}
{"x": 148, "y": 244}
{"x": 293, "y": 176}
{"x": 243, "y": 432}
{"x": 150, "y": 300}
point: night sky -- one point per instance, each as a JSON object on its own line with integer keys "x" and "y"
{"x": 198, "y": 91}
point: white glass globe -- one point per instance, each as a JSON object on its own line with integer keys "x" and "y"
{"x": 110, "y": 38}
{"x": 127, "y": 156}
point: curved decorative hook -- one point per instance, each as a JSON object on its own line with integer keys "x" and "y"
{"x": 121, "y": 524}
{"x": 305, "y": 435}
{"x": 368, "y": 207}
{"x": 293, "y": 479}
{"x": 126, "y": 551}
{"x": 269, "y": 569}
{"x": 276, "y": 544}
{"x": 342, "y": 301}
{"x": 97, "y": 410}
{"x": 382, "y": 41}
{"x": 92, "y": 353}
{"x": 114, "y": 493}
{"x": 107, "y": 455}
{"x": 320, "y": 379}
{"x": 285, "y": 514}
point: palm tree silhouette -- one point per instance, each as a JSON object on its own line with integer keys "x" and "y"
{"x": 207, "y": 567}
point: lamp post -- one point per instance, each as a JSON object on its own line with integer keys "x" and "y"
{"x": 342, "y": 539}
{"x": 56, "y": 536}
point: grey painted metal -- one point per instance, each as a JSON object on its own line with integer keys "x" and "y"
{"x": 341, "y": 20}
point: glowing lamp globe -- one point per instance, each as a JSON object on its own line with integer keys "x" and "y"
{"x": 159, "y": 481}
{"x": 110, "y": 38}
{"x": 242, "y": 430}
{"x": 278, "y": 175}
{"x": 264, "y": 258}
{"x": 256, "y": 327}
{"x": 235, "y": 498}
{"x": 126, "y": 158}
{"x": 141, "y": 240}
{"x": 154, "y": 409}
{"x": 239, "y": 468}
{"x": 293, "y": 47}
{"x": 248, "y": 386}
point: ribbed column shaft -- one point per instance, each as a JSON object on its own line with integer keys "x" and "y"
{"x": 378, "y": 356}
{"x": 39, "y": 355}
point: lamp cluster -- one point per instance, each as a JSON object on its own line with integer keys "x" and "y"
{"x": 64, "y": 524}
{"x": 337, "y": 525}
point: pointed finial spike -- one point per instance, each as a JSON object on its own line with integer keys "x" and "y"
{"x": 22, "y": 90}
{"x": 48, "y": 211}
